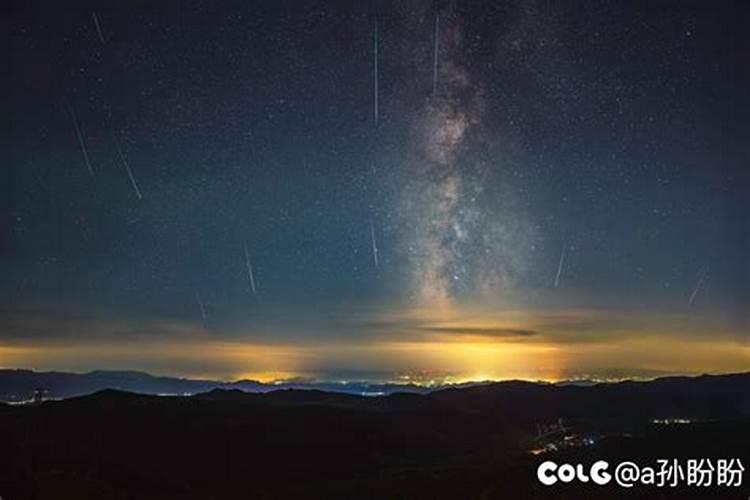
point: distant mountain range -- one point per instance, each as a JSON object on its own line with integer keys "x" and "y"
{"x": 661, "y": 395}
{"x": 482, "y": 441}
{"x": 18, "y": 385}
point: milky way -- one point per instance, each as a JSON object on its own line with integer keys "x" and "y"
{"x": 459, "y": 241}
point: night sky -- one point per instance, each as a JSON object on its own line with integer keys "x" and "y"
{"x": 377, "y": 190}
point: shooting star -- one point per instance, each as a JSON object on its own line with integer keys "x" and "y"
{"x": 560, "y": 266}
{"x": 696, "y": 290}
{"x": 374, "y": 244}
{"x": 435, "y": 54}
{"x": 127, "y": 169}
{"x": 80, "y": 141}
{"x": 98, "y": 27}
{"x": 250, "y": 275}
{"x": 200, "y": 305}
{"x": 375, "y": 72}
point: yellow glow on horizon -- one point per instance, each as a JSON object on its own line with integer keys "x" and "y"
{"x": 449, "y": 343}
{"x": 450, "y": 361}
{"x": 480, "y": 360}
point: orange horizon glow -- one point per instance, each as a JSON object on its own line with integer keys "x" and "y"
{"x": 425, "y": 363}
{"x": 425, "y": 345}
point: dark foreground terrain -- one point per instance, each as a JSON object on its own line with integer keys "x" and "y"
{"x": 471, "y": 442}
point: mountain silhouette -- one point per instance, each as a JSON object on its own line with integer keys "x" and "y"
{"x": 470, "y": 442}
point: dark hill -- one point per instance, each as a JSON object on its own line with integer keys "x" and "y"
{"x": 19, "y": 385}
{"x": 459, "y": 443}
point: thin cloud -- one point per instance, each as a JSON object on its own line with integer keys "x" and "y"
{"x": 481, "y": 331}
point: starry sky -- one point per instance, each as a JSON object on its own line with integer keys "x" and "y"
{"x": 422, "y": 190}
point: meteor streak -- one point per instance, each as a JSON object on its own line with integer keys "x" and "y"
{"x": 435, "y": 54}
{"x": 249, "y": 267}
{"x": 130, "y": 172}
{"x": 695, "y": 291}
{"x": 560, "y": 266}
{"x": 98, "y": 28}
{"x": 80, "y": 141}
{"x": 200, "y": 305}
{"x": 375, "y": 72}
{"x": 374, "y": 244}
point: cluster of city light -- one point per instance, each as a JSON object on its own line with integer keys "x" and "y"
{"x": 671, "y": 421}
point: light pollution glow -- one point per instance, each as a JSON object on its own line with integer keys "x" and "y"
{"x": 447, "y": 345}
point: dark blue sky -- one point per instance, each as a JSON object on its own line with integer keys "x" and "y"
{"x": 588, "y": 158}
